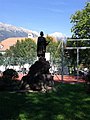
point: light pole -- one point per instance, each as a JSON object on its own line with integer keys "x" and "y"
{"x": 62, "y": 61}
{"x": 63, "y": 41}
{"x": 77, "y": 62}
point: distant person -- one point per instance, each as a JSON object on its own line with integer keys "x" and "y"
{"x": 41, "y": 45}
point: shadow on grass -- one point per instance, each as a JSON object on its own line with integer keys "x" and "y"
{"x": 69, "y": 102}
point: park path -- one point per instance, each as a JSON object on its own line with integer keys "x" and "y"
{"x": 66, "y": 78}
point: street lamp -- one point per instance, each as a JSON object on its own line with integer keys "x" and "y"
{"x": 62, "y": 58}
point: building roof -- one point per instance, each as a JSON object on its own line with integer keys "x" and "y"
{"x": 7, "y": 43}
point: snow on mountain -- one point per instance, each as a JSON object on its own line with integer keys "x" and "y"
{"x": 7, "y": 30}
{"x": 58, "y": 35}
{"x": 10, "y": 28}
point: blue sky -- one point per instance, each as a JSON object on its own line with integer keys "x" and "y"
{"x": 47, "y": 15}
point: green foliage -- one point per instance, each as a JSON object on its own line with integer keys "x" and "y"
{"x": 1, "y": 59}
{"x": 81, "y": 30}
{"x": 83, "y": 53}
{"x": 54, "y": 49}
{"x": 81, "y": 23}
{"x": 23, "y": 51}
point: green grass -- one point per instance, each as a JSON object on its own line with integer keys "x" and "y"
{"x": 69, "y": 102}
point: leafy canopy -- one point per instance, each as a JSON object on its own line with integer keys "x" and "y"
{"x": 23, "y": 51}
{"x": 81, "y": 23}
{"x": 81, "y": 30}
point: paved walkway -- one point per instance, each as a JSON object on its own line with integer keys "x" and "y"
{"x": 66, "y": 78}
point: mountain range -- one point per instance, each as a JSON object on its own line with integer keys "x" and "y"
{"x": 7, "y": 31}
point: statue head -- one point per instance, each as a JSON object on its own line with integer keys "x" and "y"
{"x": 41, "y": 33}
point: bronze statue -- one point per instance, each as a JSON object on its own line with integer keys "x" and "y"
{"x": 41, "y": 45}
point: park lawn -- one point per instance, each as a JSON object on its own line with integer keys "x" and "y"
{"x": 68, "y": 102}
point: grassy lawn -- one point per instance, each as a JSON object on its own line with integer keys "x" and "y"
{"x": 68, "y": 102}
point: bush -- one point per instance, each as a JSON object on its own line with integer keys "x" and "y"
{"x": 8, "y": 80}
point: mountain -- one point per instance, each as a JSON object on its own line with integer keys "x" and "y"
{"x": 7, "y": 30}
{"x": 58, "y": 36}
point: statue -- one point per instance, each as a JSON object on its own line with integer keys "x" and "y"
{"x": 41, "y": 45}
{"x": 39, "y": 77}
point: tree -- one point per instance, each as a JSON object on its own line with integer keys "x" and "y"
{"x": 23, "y": 51}
{"x": 54, "y": 49}
{"x": 81, "y": 23}
{"x": 1, "y": 58}
{"x": 81, "y": 30}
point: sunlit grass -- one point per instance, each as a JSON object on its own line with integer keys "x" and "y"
{"x": 68, "y": 102}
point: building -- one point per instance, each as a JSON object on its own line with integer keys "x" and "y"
{"x": 7, "y": 43}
